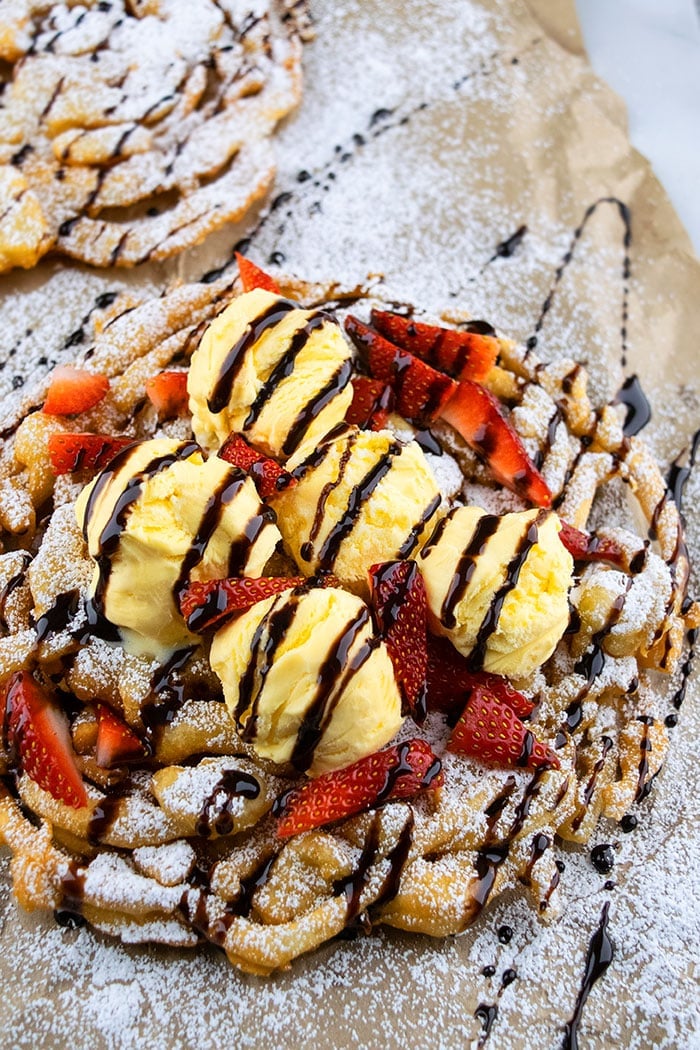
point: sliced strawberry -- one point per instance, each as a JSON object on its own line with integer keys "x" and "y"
{"x": 398, "y": 597}
{"x": 206, "y": 602}
{"x": 586, "y": 546}
{"x": 269, "y": 477}
{"x": 117, "y": 743}
{"x": 73, "y": 390}
{"x": 449, "y": 681}
{"x": 73, "y": 452}
{"x": 253, "y": 277}
{"x": 38, "y": 729}
{"x": 420, "y": 390}
{"x": 489, "y": 729}
{"x": 462, "y": 355}
{"x": 476, "y": 414}
{"x": 167, "y": 391}
{"x": 424, "y": 393}
{"x": 372, "y": 401}
{"x": 398, "y": 772}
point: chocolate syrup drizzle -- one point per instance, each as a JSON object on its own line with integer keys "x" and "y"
{"x": 285, "y": 366}
{"x": 625, "y": 216}
{"x": 359, "y": 495}
{"x": 110, "y": 536}
{"x": 216, "y": 811}
{"x": 254, "y": 330}
{"x": 10, "y": 586}
{"x": 600, "y": 954}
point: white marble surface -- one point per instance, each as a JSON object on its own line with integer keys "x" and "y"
{"x": 649, "y": 52}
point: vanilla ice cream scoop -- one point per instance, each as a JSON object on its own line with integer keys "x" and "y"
{"x": 306, "y": 679}
{"x": 270, "y": 370}
{"x": 158, "y": 515}
{"x": 360, "y": 497}
{"x": 497, "y": 587}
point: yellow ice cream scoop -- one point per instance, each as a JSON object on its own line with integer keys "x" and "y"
{"x": 158, "y": 515}
{"x": 306, "y": 679}
{"x": 360, "y": 497}
{"x": 497, "y": 587}
{"x": 270, "y": 370}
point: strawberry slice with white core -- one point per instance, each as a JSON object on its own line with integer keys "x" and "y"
{"x": 69, "y": 453}
{"x": 449, "y": 681}
{"x": 398, "y": 598}
{"x": 205, "y": 603}
{"x": 253, "y": 277}
{"x": 269, "y": 477}
{"x": 460, "y": 354}
{"x": 398, "y": 772}
{"x": 167, "y": 392}
{"x": 117, "y": 743}
{"x": 74, "y": 390}
{"x": 490, "y": 731}
{"x": 476, "y": 414}
{"x": 38, "y": 730}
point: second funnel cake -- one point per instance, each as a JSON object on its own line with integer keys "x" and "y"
{"x": 131, "y": 130}
{"x": 310, "y": 625}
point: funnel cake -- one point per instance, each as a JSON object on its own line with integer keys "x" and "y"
{"x": 131, "y": 130}
{"x": 174, "y": 835}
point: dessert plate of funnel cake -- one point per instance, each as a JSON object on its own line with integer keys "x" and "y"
{"x": 347, "y": 616}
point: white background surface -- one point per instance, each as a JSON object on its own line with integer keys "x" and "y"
{"x": 649, "y": 52}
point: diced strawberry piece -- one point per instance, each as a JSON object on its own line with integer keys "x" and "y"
{"x": 420, "y": 390}
{"x": 449, "y": 681}
{"x": 269, "y": 477}
{"x": 462, "y": 355}
{"x": 73, "y": 452}
{"x": 73, "y": 390}
{"x": 167, "y": 391}
{"x": 398, "y": 597}
{"x": 489, "y": 729}
{"x": 38, "y": 729}
{"x": 398, "y": 772}
{"x": 206, "y": 602}
{"x": 253, "y": 277}
{"x": 372, "y": 401}
{"x": 476, "y": 414}
{"x": 586, "y": 546}
{"x": 117, "y": 743}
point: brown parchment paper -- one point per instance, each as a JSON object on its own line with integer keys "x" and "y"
{"x": 429, "y": 134}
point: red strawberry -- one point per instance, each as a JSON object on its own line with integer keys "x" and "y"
{"x": 395, "y": 773}
{"x": 372, "y": 401}
{"x": 269, "y": 477}
{"x": 73, "y": 452}
{"x": 117, "y": 743}
{"x": 400, "y": 606}
{"x": 73, "y": 390}
{"x": 204, "y": 603}
{"x": 488, "y": 729}
{"x": 420, "y": 391}
{"x": 38, "y": 729}
{"x": 167, "y": 391}
{"x": 253, "y": 277}
{"x": 462, "y": 355}
{"x": 450, "y": 680}
{"x": 586, "y": 546}
{"x": 476, "y": 414}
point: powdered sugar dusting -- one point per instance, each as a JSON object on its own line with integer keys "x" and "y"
{"x": 426, "y": 200}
